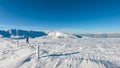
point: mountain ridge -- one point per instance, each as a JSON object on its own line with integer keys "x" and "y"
{"x": 25, "y": 33}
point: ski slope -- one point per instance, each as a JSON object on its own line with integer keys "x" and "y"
{"x": 60, "y": 52}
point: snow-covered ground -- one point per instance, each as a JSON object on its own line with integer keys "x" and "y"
{"x": 60, "y": 52}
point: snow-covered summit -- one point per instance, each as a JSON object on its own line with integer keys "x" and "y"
{"x": 56, "y": 34}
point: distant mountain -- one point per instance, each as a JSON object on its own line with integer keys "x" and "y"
{"x": 100, "y": 35}
{"x": 21, "y": 33}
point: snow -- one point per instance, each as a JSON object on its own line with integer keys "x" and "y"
{"x": 16, "y": 37}
{"x": 60, "y": 50}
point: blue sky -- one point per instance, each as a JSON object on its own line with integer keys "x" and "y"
{"x": 62, "y": 15}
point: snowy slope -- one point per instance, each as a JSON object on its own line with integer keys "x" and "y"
{"x": 61, "y": 53}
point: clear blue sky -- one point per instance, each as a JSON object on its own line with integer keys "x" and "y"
{"x": 63, "y": 15}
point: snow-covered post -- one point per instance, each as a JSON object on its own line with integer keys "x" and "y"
{"x": 38, "y": 52}
{"x": 27, "y": 41}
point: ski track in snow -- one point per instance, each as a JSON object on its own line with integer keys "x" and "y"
{"x": 61, "y": 53}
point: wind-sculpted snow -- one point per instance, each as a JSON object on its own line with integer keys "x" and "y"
{"x": 60, "y": 53}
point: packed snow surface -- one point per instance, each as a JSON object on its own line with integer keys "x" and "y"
{"x": 60, "y": 52}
